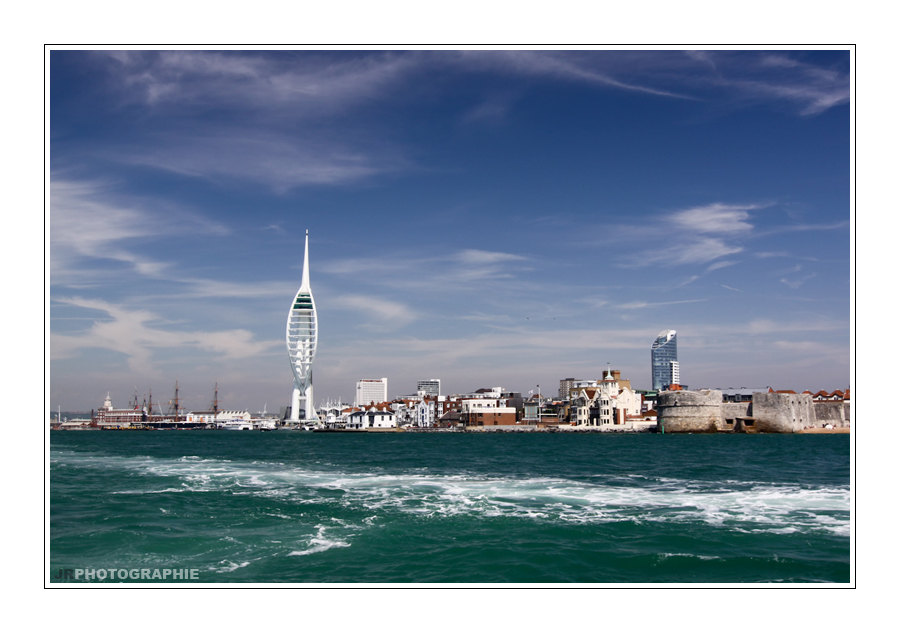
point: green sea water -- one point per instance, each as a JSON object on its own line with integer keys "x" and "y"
{"x": 295, "y": 507}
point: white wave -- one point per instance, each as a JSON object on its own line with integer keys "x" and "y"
{"x": 146, "y": 492}
{"x": 229, "y": 566}
{"x": 666, "y": 555}
{"x": 319, "y": 543}
{"x": 746, "y": 506}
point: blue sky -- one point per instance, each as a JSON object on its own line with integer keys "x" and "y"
{"x": 490, "y": 218}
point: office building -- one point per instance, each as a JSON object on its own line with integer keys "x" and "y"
{"x": 430, "y": 387}
{"x": 371, "y": 390}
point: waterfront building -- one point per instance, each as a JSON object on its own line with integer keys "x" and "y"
{"x": 610, "y": 402}
{"x": 376, "y": 417}
{"x": 491, "y": 416}
{"x": 578, "y": 385}
{"x": 606, "y": 400}
{"x": 664, "y": 360}
{"x": 109, "y": 416}
{"x": 422, "y": 412}
{"x": 430, "y": 387}
{"x": 302, "y": 337}
{"x": 370, "y": 390}
{"x": 201, "y": 417}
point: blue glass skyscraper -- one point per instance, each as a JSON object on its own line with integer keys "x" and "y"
{"x": 664, "y": 360}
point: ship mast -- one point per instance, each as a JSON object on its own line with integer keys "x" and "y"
{"x": 174, "y": 403}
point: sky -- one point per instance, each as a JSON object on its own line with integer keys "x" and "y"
{"x": 487, "y": 217}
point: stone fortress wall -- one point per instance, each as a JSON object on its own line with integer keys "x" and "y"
{"x": 690, "y": 411}
{"x": 832, "y": 412}
{"x": 704, "y": 412}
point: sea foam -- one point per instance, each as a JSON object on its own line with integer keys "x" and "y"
{"x": 743, "y": 506}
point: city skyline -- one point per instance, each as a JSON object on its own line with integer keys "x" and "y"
{"x": 486, "y": 217}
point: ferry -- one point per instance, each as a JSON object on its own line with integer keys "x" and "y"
{"x": 237, "y": 425}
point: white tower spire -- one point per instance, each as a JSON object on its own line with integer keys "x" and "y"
{"x": 302, "y": 338}
{"x": 304, "y": 284}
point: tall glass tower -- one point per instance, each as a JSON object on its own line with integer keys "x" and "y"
{"x": 664, "y": 360}
{"x": 302, "y": 336}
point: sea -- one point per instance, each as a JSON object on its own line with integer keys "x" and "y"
{"x": 471, "y": 508}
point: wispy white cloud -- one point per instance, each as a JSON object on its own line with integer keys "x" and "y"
{"x": 257, "y": 157}
{"x": 718, "y": 265}
{"x": 493, "y": 110}
{"x": 570, "y": 66}
{"x": 594, "y": 302}
{"x": 319, "y": 95}
{"x": 139, "y": 335}
{"x": 814, "y": 88}
{"x": 797, "y": 282}
{"x": 85, "y": 225}
{"x": 315, "y": 83}
{"x": 203, "y": 288}
{"x": 698, "y": 235}
{"x": 688, "y": 250}
{"x": 476, "y": 257}
{"x": 379, "y": 313}
{"x": 638, "y": 305}
{"x": 755, "y": 77}
{"x": 714, "y": 218}
{"x": 318, "y": 80}
{"x": 89, "y": 223}
{"x": 770, "y": 326}
{"x": 283, "y": 117}
{"x": 443, "y": 271}
{"x": 90, "y": 226}
{"x": 735, "y": 77}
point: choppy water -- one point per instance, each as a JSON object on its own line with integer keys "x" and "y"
{"x": 455, "y": 508}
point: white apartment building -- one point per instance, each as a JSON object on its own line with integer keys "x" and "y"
{"x": 369, "y": 391}
{"x": 372, "y": 419}
{"x": 484, "y": 404}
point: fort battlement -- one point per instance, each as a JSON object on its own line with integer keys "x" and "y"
{"x": 690, "y": 411}
{"x": 704, "y": 412}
